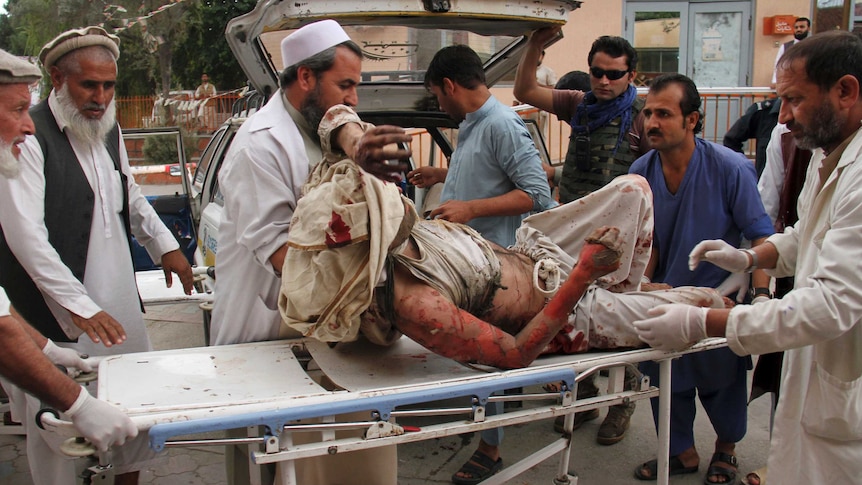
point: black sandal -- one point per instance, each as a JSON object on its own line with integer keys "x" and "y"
{"x": 479, "y": 467}
{"x": 721, "y": 471}
{"x": 675, "y": 467}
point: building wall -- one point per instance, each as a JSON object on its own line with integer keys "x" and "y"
{"x": 606, "y": 17}
{"x": 766, "y": 46}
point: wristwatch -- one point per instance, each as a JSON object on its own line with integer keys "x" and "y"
{"x": 761, "y": 292}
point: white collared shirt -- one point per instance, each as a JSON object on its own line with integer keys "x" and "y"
{"x": 109, "y": 281}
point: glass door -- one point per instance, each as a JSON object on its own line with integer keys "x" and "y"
{"x": 655, "y": 30}
{"x": 709, "y": 42}
{"x": 721, "y": 44}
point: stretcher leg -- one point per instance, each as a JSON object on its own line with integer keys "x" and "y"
{"x": 514, "y": 470}
{"x": 286, "y": 470}
{"x": 664, "y": 421}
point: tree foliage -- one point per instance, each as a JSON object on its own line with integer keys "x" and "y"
{"x": 169, "y": 50}
{"x": 205, "y": 48}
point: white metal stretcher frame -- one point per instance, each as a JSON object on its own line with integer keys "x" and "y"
{"x": 208, "y": 389}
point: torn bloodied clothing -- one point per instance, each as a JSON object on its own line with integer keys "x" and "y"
{"x": 456, "y": 261}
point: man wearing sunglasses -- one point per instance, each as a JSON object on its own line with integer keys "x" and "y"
{"x": 606, "y": 138}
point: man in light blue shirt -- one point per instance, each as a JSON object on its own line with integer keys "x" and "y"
{"x": 495, "y": 177}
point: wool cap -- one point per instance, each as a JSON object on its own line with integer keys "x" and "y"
{"x": 311, "y": 39}
{"x": 77, "y": 39}
{"x": 14, "y": 70}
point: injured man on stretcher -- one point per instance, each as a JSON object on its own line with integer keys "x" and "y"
{"x": 360, "y": 261}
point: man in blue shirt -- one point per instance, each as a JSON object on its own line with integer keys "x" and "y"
{"x": 495, "y": 177}
{"x": 495, "y": 180}
{"x": 701, "y": 190}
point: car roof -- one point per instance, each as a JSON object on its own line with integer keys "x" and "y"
{"x": 398, "y": 39}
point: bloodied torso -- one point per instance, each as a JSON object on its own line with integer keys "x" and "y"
{"x": 477, "y": 275}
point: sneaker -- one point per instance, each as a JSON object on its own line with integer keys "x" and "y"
{"x": 613, "y": 428}
{"x": 580, "y": 419}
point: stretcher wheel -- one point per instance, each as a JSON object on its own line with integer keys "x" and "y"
{"x": 77, "y": 447}
{"x": 85, "y": 377}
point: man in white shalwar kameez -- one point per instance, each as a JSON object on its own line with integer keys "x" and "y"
{"x": 817, "y": 435}
{"x": 261, "y": 178}
{"x": 67, "y": 221}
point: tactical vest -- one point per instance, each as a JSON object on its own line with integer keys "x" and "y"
{"x": 69, "y": 207}
{"x": 605, "y": 165}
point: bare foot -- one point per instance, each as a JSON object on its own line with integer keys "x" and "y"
{"x": 601, "y": 252}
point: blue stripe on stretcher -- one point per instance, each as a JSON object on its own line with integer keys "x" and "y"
{"x": 346, "y": 402}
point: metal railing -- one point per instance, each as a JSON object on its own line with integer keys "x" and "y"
{"x": 721, "y": 106}
{"x": 202, "y": 116}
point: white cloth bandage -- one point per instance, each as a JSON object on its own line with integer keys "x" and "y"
{"x": 547, "y": 270}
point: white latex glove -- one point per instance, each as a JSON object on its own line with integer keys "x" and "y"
{"x": 672, "y": 326}
{"x": 760, "y": 299}
{"x": 736, "y": 282}
{"x": 719, "y": 253}
{"x": 68, "y": 358}
{"x": 100, "y": 423}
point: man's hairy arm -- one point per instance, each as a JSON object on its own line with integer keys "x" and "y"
{"x": 435, "y": 322}
{"x": 511, "y": 203}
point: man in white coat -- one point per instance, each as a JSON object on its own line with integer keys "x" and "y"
{"x": 264, "y": 171}
{"x": 261, "y": 179}
{"x": 817, "y": 435}
{"x": 67, "y": 220}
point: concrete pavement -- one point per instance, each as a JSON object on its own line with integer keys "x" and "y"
{"x": 433, "y": 461}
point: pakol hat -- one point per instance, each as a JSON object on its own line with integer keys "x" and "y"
{"x": 78, "y": 39}
{"x": 14, "y": 70}
{"x": 311, "y": 39}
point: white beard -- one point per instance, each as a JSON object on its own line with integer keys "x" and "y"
{"x": 9, "y": 167}
{"x": 88, "y": 130}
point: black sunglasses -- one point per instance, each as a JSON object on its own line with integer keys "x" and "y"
{"x": 612, "y": 75}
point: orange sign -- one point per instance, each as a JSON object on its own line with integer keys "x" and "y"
{"x": 778, "y": 25}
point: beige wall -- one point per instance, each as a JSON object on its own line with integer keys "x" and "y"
{"x": 766, "y": 46}
{"x": 605, "y": 17}
{"x": 595, "y": 18}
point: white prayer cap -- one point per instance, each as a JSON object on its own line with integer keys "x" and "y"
{"x": 14, "y": 70}
{"x": 77, "y": 39}
{"x": 310, "y": 40}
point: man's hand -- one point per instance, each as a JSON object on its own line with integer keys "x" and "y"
{"x": 673, "y": 326}
{"x": 550, "y": 174}
{"x": 101, "y": 327}
{"x": 454, "y": 211}
{"x": 544, "y": 35}
{"x": 175, "y": 261}
{"x": 68, "y": 358}
{"x": 101, "y": 423}
{"x": 735, "y": 283}
{"x": 424, "y": 177}
{"x": 720, "y": 254}
{"x": 379, "y": 154}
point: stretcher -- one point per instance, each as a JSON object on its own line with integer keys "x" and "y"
{"x": 186, "y": 392}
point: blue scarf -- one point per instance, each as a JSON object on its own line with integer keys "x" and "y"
{"x": 600, "y": 114}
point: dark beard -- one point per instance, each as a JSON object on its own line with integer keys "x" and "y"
{"x": 824, "y": 129}
{"x": 311, "y": 109}
{"x": 800, "y": 36}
